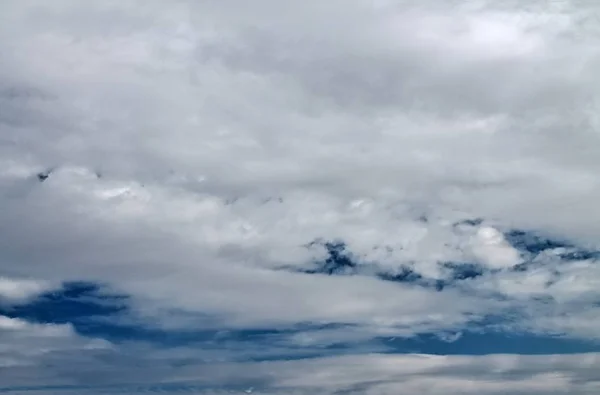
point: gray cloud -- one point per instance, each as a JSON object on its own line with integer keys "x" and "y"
{"x": 371, "y": 374}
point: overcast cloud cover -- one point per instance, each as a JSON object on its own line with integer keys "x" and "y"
{"x": 299, "y": 197}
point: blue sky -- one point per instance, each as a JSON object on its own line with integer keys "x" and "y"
{"x": 337, "y": 197}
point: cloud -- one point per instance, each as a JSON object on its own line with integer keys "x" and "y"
{"x": 187, "y": 155}
{"x": 370, "y": 374}
{"x": 18, "y": 290}
{"x": 25, "y": 344}
{"x": 490, "y": 247}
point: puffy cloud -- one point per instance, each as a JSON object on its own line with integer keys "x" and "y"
{"x": 490, "y": 247}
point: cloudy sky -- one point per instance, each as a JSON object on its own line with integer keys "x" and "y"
{"x": 299, "y": 197}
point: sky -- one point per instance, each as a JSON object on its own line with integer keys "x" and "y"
{"x": 303, "y": 197}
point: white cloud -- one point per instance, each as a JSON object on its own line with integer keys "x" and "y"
{"x": 20, "y": 290}
{"x": 490, "y": 247}
{"x": 26, "y": 344}
{"x": 196, "y": 146}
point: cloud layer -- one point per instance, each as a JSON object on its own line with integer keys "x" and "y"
{"x": 343, "y": 170}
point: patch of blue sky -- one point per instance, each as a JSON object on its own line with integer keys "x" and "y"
{"x": 97, "y": 313}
